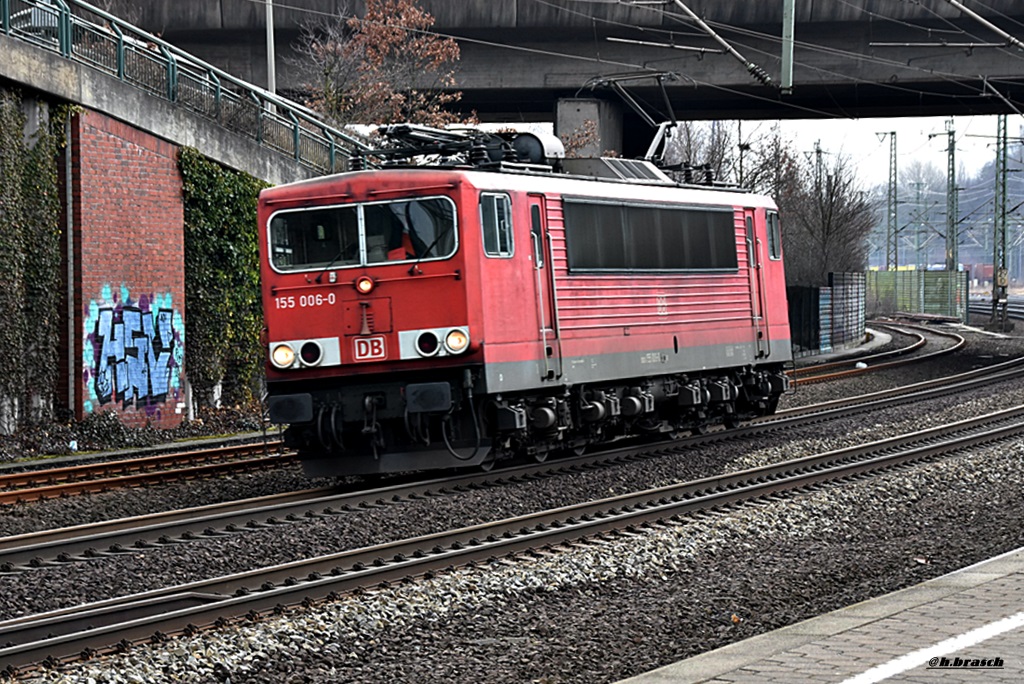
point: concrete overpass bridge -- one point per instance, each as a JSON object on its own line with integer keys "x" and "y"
{"x": 858, "y": 58}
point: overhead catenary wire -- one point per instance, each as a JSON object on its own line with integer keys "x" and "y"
{"x": 1007, "y": 38}
{"x": 951, "y": 77}
{"x": 1001, "y": 15}
{"x": 753, "y": 69}
{"x": 986, "y": 23}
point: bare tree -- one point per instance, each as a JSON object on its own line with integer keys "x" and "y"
{"x": 827, "y": 217}
{"x": 383, "y": 67}
{"x": 702, "y": 142}
{"x": 769, "y": 164}
{"x": 925, "y": 173}
{"x": 827, "y": 220}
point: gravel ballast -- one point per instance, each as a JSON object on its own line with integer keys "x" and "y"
{"x": 596, "y": 613}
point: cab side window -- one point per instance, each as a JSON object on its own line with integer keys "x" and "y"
{"x": 496, "y": 222}
{"x": 774, "y": 236}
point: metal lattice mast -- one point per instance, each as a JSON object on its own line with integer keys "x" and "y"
{"x": 919, "y": 260}
{"x": 891, "y": 238}
{"x": 1000, "y": 274}
{"x": 952, "y": 224}
{"x": 952, "y": 204}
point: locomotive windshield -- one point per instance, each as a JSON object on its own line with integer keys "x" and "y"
{"x": 363, "y": 234}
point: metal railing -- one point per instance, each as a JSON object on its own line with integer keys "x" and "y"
{"x": 88, "y": 35}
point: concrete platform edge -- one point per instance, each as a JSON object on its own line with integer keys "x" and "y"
{"x": 722, "y": 660}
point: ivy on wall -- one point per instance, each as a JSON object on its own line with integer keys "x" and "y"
{"x": 30, "y": 257}
{"x": 222, "y": 281}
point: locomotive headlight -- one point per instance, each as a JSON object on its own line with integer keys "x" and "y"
{"x": 282, "y": 356}
{"x": 433, "y": 342}
{"x": 456, "y": 341}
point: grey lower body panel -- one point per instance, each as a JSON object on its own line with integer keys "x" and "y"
{"x": 615, "y": 367}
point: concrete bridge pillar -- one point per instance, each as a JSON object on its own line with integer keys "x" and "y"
{"x": 595, "y": 125}
{"x": 37, "y": 115}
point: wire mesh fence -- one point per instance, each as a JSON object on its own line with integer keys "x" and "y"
{"x": 936, "y": 293}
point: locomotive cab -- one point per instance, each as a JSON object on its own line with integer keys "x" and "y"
{"x": 377, "y": 368}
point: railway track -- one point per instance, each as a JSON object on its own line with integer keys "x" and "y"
{"x": 980, "y": 307}
{"x": 113, "y": 625}
{"x": 134, "y": 535}
{"x": 873, "y": 362}
{"x": 33, "y": 485}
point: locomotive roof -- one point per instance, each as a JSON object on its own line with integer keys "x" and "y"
{"x": 522, "y": 180}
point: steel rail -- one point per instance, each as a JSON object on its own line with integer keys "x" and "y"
{"x": 919, "y": 341}
{"x": 115, "y": 624}
{"x": 960, "y": 342}
{"x": 49, "y": 548}
{"x": 999, "y": 372}
{"x": 85, "y": 471}
{"x": 144, "y": 478}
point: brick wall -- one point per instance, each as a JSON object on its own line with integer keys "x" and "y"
{"x": 128, "y": 273}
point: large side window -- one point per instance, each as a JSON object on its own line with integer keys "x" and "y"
{"x": 496, "y": 222}
{"x": 607, "y": 236}
{"x": 774, "y": 236}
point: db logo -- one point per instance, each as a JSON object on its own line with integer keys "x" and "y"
{"x": 369, "y": 348}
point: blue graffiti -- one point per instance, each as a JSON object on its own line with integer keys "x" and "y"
{"x": 134, "y": 351}
{"x": 135, "y": 359}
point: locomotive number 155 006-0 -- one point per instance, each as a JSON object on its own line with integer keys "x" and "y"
{"x": 302, "y": 301}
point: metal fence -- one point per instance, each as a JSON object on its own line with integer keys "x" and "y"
{"x": 88, "y": 35}
{"x": 822, "y": 319}
{"x": 848, "y": 311}
{"x": 937, "y": 293}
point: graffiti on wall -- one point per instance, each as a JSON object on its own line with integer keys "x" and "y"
{"x": 133, "y": 351}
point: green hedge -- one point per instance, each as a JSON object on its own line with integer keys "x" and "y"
{"x": 222, "y": 280}
{"x": 30, "y": 256}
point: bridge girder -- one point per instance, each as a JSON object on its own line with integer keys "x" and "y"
{"x": 519, "y": 57}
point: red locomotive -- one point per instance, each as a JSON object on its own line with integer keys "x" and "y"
{"x": 480, "y": 309}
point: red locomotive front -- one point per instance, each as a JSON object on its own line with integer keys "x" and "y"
{"x": 364, "y": 280}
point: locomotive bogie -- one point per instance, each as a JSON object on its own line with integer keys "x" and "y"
{"x": 440, "y": 421}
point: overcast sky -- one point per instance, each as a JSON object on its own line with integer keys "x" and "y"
{"x": 858, "y": 139}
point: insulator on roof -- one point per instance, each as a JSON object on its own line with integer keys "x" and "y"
{"x": 478, "y": 155}
{"x": 709, "y": 175}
